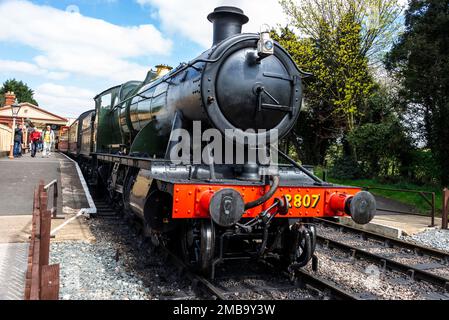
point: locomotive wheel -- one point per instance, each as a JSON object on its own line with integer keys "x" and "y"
{"x": 197, "y": 245}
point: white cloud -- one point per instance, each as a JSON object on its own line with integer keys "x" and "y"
{"x": 19, "y": 66}
{"x": 66, "y": 101}
{"x": 189, "y": 17}
{"x": 71, "y": 42}
{"x": 13, "y": 66}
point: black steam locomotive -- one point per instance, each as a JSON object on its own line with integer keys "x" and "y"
{"x": 214, "y": 205}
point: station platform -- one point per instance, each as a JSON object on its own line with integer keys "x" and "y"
{"x": 19, "y": 177}
{"x": 390, "y": 223}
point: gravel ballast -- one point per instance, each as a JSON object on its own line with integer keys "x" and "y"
{"x": 435, "y": 238}
{"x": 114, "y": 267}
{"x": 118, "y": 267}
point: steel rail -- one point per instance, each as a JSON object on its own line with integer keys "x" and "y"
{"x": 387, "y": 263}
{"x": 325, "y": 286}
{"x": 196, "y": 278}
{"x": 390, "y": 241}
{"x": 309, "y": 280}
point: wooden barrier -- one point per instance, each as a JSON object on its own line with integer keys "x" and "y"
{"x": 42, "y": 280}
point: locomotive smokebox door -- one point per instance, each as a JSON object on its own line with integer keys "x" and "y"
{"x": 226, "y": 207}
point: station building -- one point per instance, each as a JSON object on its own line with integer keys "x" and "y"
{"x": 30, "y": 116}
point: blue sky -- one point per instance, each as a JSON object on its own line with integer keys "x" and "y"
{"x": 69, "y": 50}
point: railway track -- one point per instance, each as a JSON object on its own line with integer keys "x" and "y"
{"x": 303, "y": 282}
{"x": 266, "y": 281}
{"x": 263, "y": 280}
{"x": 387, "y": 241}
{"x": 418, "y": 263}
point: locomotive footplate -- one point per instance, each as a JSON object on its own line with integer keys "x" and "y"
{"x": 193, "y": 201}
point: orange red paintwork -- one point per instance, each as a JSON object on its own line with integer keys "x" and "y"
{"x": 192, "y": 201}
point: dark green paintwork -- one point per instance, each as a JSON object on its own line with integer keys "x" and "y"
{"x": 149, "y": 142}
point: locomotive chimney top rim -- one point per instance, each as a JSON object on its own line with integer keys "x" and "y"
{"x": 237, "y": 12}
{"x": 227, "y": 22}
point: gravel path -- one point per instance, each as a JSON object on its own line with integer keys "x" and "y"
{"x": 114, "y": 267}
{"x": 435, "y": 238}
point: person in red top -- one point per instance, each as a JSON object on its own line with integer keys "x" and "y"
{"x": 34, "y": 136}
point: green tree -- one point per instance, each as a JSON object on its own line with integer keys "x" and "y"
{"x": 315, "y": 124}
{"x": 378, "y": 20}
{"x": 420, "y": 60}
{"x": 339, "y": 85}
{"x": 21, "y": 90}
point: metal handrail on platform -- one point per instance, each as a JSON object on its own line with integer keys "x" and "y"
{"x": 423, "y": 194}
{"x": 54, "y": 209}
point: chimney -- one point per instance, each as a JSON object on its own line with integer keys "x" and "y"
{"x": 227, "y": 22}
{"x": 10, "y": 98}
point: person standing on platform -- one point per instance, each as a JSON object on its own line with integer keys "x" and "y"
{"x": 40, "y": 144}
{"x": 35, "y": 136}
{"x": 48, "y": 137}
{"x": 18, "y": 140}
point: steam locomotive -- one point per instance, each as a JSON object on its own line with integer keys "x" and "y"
{"x": 222, "y": 206}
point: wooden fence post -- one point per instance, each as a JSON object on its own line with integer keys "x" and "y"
{"x": 445, "y": 209}
{"x": 45, "y": 217}
{"x": 42, "y": 280}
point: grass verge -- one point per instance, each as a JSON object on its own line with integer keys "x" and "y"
{"x": 413, "y": 199}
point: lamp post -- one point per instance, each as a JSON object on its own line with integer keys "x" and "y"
{"x": 15, "y": 108}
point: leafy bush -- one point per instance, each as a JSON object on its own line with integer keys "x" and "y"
{"x": 345, "y": 167}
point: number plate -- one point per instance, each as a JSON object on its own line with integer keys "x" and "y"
{"x": 303, "y": 201}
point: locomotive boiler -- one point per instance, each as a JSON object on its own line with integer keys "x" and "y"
{"x": 247, "y": 88}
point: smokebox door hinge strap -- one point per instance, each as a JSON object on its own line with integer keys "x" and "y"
{"x": 277, "y": 106}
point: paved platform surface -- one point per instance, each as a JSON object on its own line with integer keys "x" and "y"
{"x": 19, "y": 178}
{"x": 13, "y": 265}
